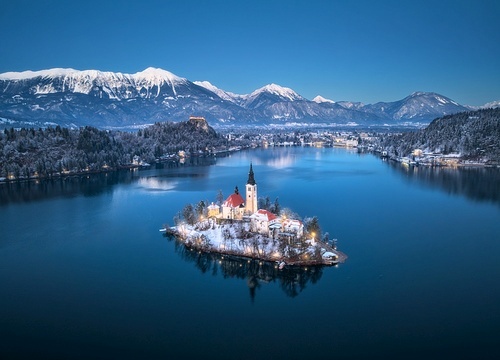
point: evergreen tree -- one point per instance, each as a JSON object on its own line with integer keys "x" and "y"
{"x": 188, "y": 214}
{"x": 312, "y": 227}
{"x": 275, "y": 208}
{"x": 200, "y": 208}
{"x": 220, "y": 198}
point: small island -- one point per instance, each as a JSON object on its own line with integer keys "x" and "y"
{"x": 237, "y": 227}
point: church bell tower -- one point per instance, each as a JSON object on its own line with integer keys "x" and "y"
{"x": 251, "y": 193}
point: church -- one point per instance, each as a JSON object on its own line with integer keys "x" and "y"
{"x": 239, "y": 207}
{"x": 235, "y": 206}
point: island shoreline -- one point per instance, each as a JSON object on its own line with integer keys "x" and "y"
{"x": 183, "y": 240}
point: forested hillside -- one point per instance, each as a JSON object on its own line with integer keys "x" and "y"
{"x": 475, "y": 135}
{"x": 42, "y": 153}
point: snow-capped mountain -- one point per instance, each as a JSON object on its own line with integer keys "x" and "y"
{"x": 147, "y": 83}
{"x": 269, "y": 95}
{"x": 225, "y": 95}
{"x": 492, "y": 105}
{"x": 279, "y": 91}
{"x": 351, "y": 104}
{"x": 106, "y": 99}
{"x": 320, "y": 99}
{"x": 72, "y": 97}
{"x": 419, "y": 106}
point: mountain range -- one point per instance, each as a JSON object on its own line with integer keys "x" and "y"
{"x": 74, "y": 98}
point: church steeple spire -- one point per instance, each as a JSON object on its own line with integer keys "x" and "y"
{"x": 251, "y": 179}
{"x": 251, "y": 193}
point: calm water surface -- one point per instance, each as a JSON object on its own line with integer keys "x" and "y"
{"x": 85, "y": 273}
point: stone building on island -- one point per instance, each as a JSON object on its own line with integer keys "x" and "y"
{"x": 251, "y": 193}
{"x": 263, "y": 222}
{"x": 237, "y": 207}
{"x": 234, "y": 206}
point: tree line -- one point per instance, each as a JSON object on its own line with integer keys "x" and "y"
{"x": 44, "y": 153}
{"x": 475, "y": 135}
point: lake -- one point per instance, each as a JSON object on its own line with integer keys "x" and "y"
{"x": 85, "y": 272}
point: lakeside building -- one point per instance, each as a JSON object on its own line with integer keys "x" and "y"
{"x": 239, "y": 208}
{"x": 234, "y": 206}
{"x": 213, "y": 211}
{"x": 264, "y": 222}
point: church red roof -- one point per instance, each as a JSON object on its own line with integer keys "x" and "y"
{"x": 270, "y": 216}
{"x": 234, "y": 200}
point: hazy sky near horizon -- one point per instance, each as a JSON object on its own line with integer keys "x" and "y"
{"x": 359, "y": 50}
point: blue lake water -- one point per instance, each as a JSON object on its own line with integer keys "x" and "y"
{"x": 85, "y": 273}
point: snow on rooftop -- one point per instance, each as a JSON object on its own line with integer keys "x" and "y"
{"x": 234, "y": 200}
{"x": 264, "y": 214}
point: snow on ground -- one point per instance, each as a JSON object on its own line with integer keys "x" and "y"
{"x": 227, "y": 237}
{"x": 236, "y": 238}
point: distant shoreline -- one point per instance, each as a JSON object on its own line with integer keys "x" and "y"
{"x": 57, "y": 176}
{"x": 70, "y": 174}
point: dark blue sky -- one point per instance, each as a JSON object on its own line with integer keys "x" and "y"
{"x": 360, "y": 50}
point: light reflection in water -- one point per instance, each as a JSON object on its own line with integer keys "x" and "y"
{"x": 157, "y": 184}
{"x": 291, "y": 279}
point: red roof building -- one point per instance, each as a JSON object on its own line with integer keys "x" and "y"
{"x": 269, "y": 216}
{"x": 234, "y": 206}
{"x": 234, "y": 200}
{"x": 262, "y": 220}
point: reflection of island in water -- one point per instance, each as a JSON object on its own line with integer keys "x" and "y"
{"x": 291, "y": 279}
{"x": 476, "y": 183}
